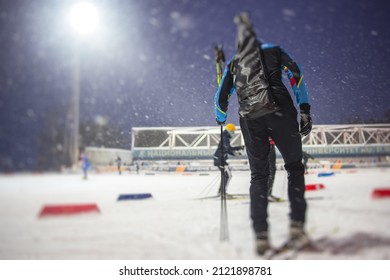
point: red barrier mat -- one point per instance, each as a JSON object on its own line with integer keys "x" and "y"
{"x": 314, "y": 187}
{"x": 381, "y": 193}
{"x": 68, "y": 209}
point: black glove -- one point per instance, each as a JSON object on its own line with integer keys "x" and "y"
{"x": 306, "y": 123}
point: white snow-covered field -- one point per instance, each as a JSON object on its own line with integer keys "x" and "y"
{"x": 175, "y": 224}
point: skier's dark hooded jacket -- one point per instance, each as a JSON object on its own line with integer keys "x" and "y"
{"x": 256, "y": 76}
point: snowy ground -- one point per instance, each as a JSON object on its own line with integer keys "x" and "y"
{"x": 175, "y": 224}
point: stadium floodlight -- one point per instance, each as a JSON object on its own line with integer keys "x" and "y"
{"x": 84, "y": 17}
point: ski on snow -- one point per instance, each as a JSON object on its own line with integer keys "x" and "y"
{"x": 228, "y": 196}
{"x": 288, "y": 251}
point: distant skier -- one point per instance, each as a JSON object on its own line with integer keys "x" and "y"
{"x": 85, "y": 164}
{"x": 119, "y": 164}
{"x": 306, "y": 156}
{"x": 221, "y": 163}
{"x": 266, "y": 110}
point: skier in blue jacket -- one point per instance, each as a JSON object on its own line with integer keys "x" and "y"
{"x": 85, "y": 164}
{"x": 267, "y": 109}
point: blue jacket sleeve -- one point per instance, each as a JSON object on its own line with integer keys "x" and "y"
{"x": 295, "y": 75}
{"x": 222, "y": 96}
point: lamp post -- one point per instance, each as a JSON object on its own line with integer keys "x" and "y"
{"x": 84, "y": 19}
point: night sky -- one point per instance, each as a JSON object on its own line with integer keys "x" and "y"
{"x": 151, "y": 62}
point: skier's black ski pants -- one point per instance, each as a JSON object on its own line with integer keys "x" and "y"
{"x": 284, "y": 130}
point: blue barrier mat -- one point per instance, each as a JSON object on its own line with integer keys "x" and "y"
{"x": 134, "y": 196}
{"x": 325, "y": 174}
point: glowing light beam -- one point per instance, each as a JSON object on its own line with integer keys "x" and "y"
{"x": 84, "y": 17}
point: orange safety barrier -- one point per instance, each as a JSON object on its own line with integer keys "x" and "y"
{"x": 180, "y": 168}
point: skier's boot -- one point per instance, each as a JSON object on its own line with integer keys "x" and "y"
{"x": 262, "y": 243}
{"x": 272, "y": 198}
{"x": 298, "y": 236}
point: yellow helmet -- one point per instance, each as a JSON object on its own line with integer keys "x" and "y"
{"x": 231, "y": 127}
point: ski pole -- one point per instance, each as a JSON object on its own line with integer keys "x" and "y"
{"x": 224, "y": 229}
{"x": 209, "y": 187}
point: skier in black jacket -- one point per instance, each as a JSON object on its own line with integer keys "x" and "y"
{"x": 306, "y": 157}
{"x": 220, "y": 162}
{"x": 266, "y": 110}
